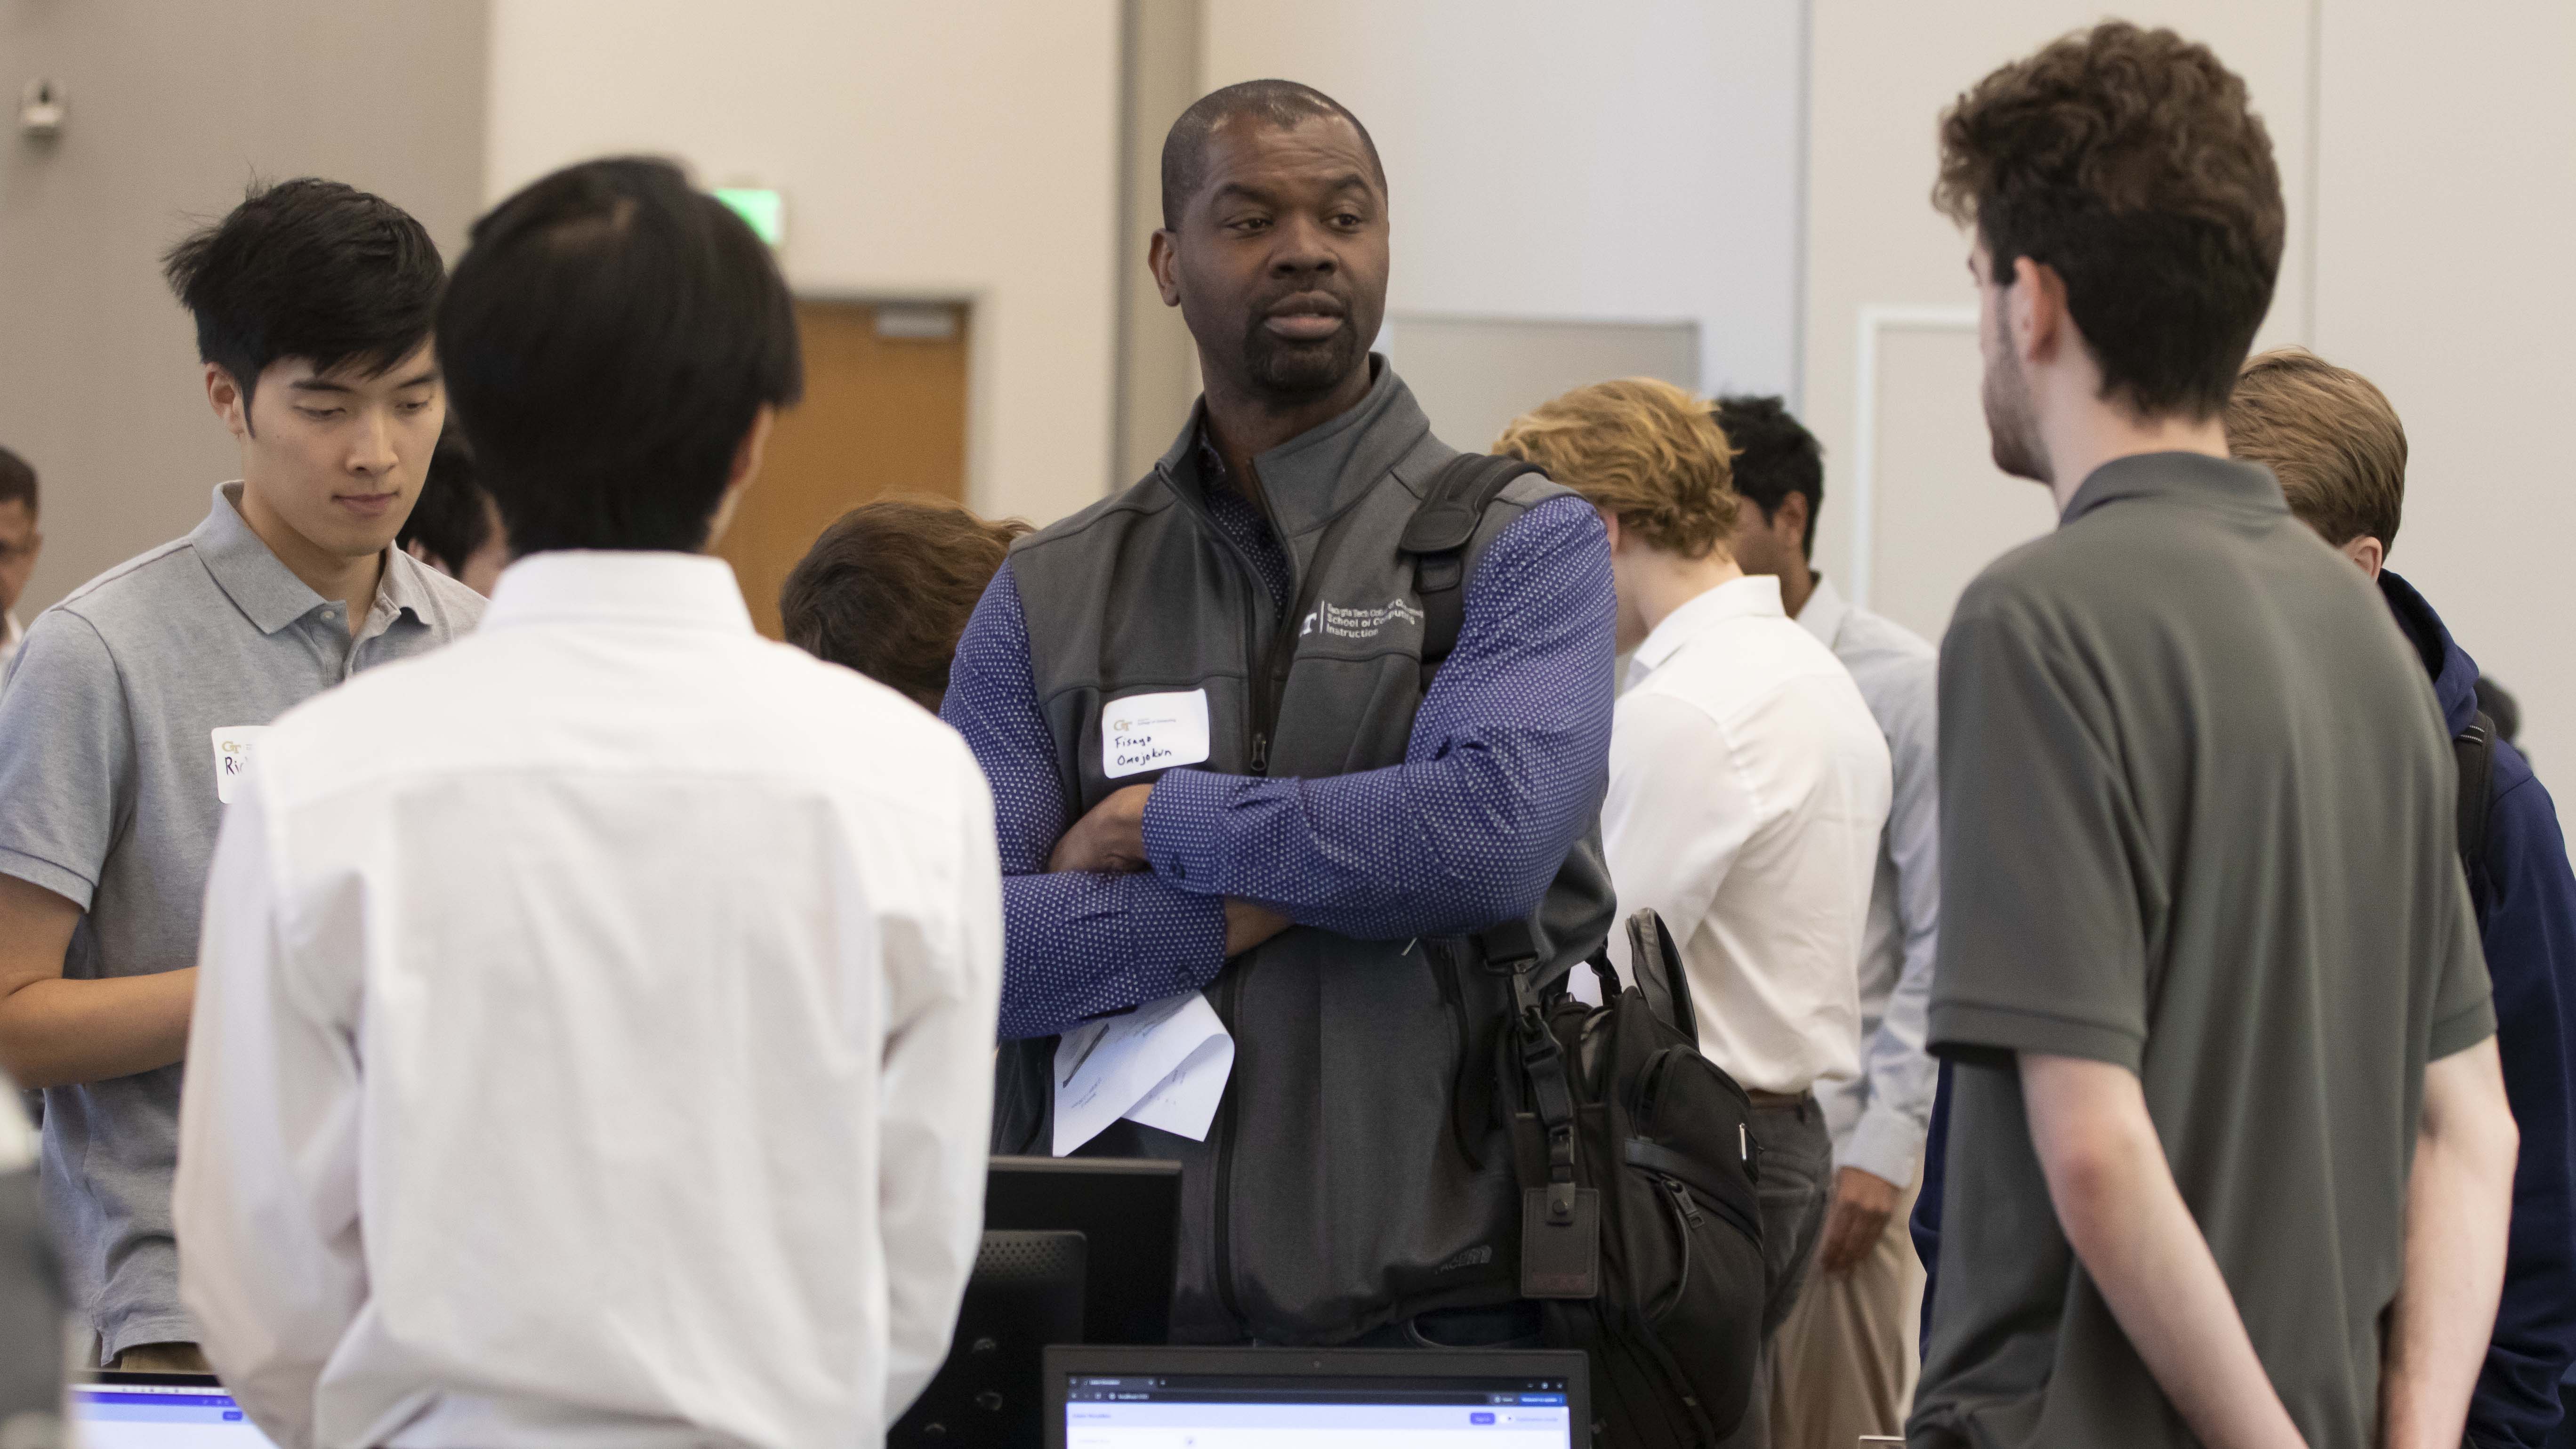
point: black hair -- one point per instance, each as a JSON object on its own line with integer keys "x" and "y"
{"x": 311, "y": 269}
{"x": 17, "y": 480}
{"x": 1281, "y": 103}
{"x": 1775, "y": 456}
{"x": 449, "y": 520}
{"x": 608, "y": 339}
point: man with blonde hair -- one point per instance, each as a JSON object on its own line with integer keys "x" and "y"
{"x": 1748, "y": 783}
{"x": 2336, "y": 445}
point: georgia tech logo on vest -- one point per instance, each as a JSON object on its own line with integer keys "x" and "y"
{"x": 1336, "y": 622}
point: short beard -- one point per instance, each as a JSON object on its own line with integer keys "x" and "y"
{"x": 2018, "y": 449}
{"x": 1295, "y": 372}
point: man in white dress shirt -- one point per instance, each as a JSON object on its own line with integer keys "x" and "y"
{"x": 592, "y": 1041}
{"x": 1748, "y": 784}
{"x": 1846, "y": 1355}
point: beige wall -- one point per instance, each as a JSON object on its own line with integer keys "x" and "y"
{"x": 2447, "y": 197}
{"x": 924, "y": 151}
{"x": 1624, "y": 160}
{"x": 172, "y": 109}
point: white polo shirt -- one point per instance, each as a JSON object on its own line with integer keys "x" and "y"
{"x": 1748, "y": 786}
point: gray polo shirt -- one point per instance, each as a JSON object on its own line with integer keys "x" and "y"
{"x": 2197, "y": 822}
{"x": 109, "y": 796}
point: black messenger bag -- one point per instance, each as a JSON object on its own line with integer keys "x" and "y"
{"x": 1640, "y": 1233}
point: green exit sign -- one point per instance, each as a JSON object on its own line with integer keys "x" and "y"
{"x": 763, "y": 209}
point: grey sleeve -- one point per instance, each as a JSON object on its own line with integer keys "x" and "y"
{"x": 2042, "y": 944}
{"x": 66, "y": 758}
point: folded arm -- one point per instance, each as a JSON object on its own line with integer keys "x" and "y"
{"x": 2116, "y": 1199}
{"x": 2459, "y": 1198}
{"x": 1077, "y": 944}
{"x": 271, "y": 1259}
{"x": 1505, "y": 766}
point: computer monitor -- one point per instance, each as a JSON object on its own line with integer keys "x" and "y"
{"x": 1127, "y": 1209}
{"x": 1025, "y": 1293}
{"x": 159, "y": 1411}
{"x": 1255, "y": 1398}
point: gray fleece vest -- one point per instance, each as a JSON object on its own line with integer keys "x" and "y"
{"x": 1335, "y": 1193}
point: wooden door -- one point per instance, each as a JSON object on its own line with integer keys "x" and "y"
{"x": 884, "y": 412}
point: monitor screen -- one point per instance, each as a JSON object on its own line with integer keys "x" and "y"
{"x": 1264, "y": 1411}
{"x": 160, "y": 1416}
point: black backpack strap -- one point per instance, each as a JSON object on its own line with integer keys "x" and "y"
{"x": 1437, "y": 538}
{"x": 2474, "y": 749}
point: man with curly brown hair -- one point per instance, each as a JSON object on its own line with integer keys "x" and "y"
{"x": 2229, "y": 1158}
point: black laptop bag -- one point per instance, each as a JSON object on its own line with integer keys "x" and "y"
{"x": 1640, "y": 1233}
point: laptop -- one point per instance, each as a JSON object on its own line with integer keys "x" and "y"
{"x": 159, "y": 1411}
{"x": 1344, "y": 1398}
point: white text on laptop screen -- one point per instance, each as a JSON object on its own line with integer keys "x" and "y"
{"x": 160, "y": 1416}
{"x": 1222, "y": 1411}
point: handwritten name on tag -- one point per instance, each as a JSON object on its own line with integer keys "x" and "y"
{"x": 1153, "y": 732}
{"x": 232, "y": 757}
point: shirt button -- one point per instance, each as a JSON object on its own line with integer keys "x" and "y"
{"x": 1179, "y": 870}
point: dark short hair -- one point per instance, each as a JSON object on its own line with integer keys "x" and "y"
{"x": 1775, "y": 456}
{"x": 2131, "y": 163}
{"x": 311, "y": 269}
{"x": 888, "y": 588}
{"x": 1280, "y": 103}
{"x": 2331, "y": 438}
{"x": 17, "y": 480}
{"x": 608, "y": 339}
{"x": 449, "y": 520}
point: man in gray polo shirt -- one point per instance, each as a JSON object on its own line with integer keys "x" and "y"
{"x": 2229, "y": 1158}
{"x": 136, "y": 702}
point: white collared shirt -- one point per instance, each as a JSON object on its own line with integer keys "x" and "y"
{"x": 1748, "y": 785}
{"x": 1879, "y": 1114}
{"x": 593, "y": 1041}
{"x": 11, "y": 636}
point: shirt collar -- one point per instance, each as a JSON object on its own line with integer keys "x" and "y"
{"x": 10, "y": 630}
{"x": 619, "y": 586}
{"x": 1825, "y": 611}
{"x": 266, "y": 591}
{"x": 403, "y": 588}
{"x": 1753, "y": 596}
{"x": 2177, "y": 475}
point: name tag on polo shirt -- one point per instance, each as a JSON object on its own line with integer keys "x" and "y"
{"x": 1153, "y": 732}
{"x": 232, "y": 757}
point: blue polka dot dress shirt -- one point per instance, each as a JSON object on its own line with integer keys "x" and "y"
{"x": 1503, "y": 772}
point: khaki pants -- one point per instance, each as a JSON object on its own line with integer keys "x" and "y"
{"x": 1844, "y": 1363}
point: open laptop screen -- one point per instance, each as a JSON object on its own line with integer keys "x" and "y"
{"x": 160, "y": 1411}
{"x": 1326, "y": 1411}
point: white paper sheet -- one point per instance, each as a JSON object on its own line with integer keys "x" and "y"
{"x": 1165, "y": 1064}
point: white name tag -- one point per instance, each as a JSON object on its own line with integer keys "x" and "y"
{"x": 1153, "y": 732}
{"x": 232, "y": 757}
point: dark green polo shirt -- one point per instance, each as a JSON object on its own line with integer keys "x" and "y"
{"x": 2196, "y": 821}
